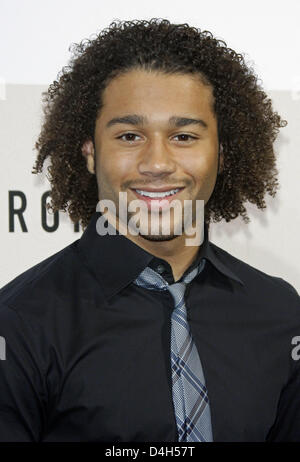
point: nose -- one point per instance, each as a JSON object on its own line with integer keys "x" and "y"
{"x": 156, "y": 159}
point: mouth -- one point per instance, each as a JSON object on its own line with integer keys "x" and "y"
{"x": 157, "y": 198}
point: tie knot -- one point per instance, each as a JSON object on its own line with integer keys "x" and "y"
{"x": 150, "y": 279}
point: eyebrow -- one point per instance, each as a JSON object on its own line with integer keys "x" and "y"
{"x": 135, "y": 119}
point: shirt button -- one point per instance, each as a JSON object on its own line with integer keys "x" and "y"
{"x": 160, "y": 269}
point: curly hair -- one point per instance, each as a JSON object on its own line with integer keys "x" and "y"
{"x": 247, "y": 123}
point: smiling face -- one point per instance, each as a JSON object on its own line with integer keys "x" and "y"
{"x": 156, "y": 137}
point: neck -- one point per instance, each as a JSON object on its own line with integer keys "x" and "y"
{"x": 175, "y": 251}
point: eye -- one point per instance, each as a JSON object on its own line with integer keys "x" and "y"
{"x": 131, "y": 137}
{"x": 185, "y": 137}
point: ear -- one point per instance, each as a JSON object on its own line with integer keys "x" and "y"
{"x": 221, "y": 159}
{"x": 88, "y": 152}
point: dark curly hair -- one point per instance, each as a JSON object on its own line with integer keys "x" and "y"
{"x": 247, "y": 124}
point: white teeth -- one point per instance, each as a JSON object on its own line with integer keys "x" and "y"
{"x": 157, "y": 194}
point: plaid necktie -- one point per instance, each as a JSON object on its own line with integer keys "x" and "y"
{"x": 190, "y": 396}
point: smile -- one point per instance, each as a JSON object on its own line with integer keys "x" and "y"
{"x": 155, "y": 198}
{"x": 157, "y": 194}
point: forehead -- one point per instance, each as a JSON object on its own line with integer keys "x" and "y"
{"x": 152, "y": 92}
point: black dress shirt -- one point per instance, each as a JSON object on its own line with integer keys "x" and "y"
{"x": 88, "y": 351}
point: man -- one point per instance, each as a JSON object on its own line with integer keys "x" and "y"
{"x": 138, "y": 335}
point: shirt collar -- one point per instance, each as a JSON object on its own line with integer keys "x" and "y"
{"x": 116, "y": 261}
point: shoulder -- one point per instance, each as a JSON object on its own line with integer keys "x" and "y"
{"x": 42, "y": 281}
{"x": 257, "y": 283}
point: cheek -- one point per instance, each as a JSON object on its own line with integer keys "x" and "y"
{"x": 210, "y": 168}
{"x": 114, "y": 168}
{"x": 201, "y": 166}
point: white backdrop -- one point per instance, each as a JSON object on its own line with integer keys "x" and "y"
{"x": 34, "y": 40}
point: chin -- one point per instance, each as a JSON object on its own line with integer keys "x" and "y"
{"x": 158, "y": 237}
